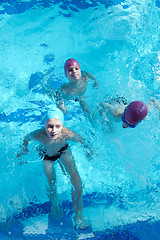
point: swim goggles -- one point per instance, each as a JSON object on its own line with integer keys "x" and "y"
{"x": 124, "y": 120}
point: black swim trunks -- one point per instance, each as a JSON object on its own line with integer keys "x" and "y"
{"x": 55, "y": 157}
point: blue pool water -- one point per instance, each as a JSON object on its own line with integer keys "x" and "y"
{"x": 118, "y": 42}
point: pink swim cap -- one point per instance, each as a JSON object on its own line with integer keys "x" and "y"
{"x": 135, "y": 112}
{"x": 70, "y": 62}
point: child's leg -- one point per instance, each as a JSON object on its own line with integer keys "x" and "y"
{"x": 50, "y": 172}
{"x": 107, "y": 125}
{"x": 153, "y": 103}
{"x": 52, "y": 190}
{"x": 70, "y": 167}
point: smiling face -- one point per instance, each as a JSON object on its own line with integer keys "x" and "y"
{"x": 54, "y": 128}
{"x": 74, "y": 74}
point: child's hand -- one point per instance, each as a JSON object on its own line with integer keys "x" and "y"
{"x": 95, "y": 84}
{"x": 22, "y": 152}
{"x": 21, "y": 162}
{"x": 63, "y": 108}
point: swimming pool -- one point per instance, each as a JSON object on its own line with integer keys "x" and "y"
{"x": 118, "y": 42}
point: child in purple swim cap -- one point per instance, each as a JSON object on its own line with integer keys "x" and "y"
{"x": 74, "y": 90}
{"x": 130, "y": 114}
{"x": 134, "y": 113}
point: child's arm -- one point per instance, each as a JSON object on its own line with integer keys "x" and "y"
{"x": 73, "y": 136}
{"x": 78, "y": 138}
{"x": 60, "y": 105}
{"x": 95, "y": 85}
{"x": 153, "y": 103}
{"x": 24, "y": 147}
{"x": 35, "y": 135}
{"x": 59, "y": 101}
{"x": 55, "y": 95}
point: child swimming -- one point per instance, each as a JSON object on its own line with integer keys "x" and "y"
{"x": 130, "y": 114}
{"x": 75, "y": 89}
{"x": 55, "y": 137}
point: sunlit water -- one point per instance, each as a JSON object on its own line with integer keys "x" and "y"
{"x": 118, "y": 42}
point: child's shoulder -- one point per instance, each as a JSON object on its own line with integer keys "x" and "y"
{"x": 85, "y": 77}
{"x": 68, "y": 133}
{"x": 38, "y": 134}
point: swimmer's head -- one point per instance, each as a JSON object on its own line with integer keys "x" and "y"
{"x": 70, "y": 62}
{"x": 134, "y": 113}
{"x": 54, "y": 113}
{"x": 72, "y": 71}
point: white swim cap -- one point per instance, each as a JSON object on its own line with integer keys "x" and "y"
{"x": 54, "y": 113}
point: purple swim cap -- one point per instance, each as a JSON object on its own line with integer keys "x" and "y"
{"x": 70, "y": 62}
{"x": 135, "y": 112}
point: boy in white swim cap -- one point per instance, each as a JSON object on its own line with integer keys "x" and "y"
{"x": 55, "y": 137}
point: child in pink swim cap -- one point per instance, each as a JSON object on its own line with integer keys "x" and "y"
{"x": 72, "y": 69}
{"x": 75, "y": 89}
